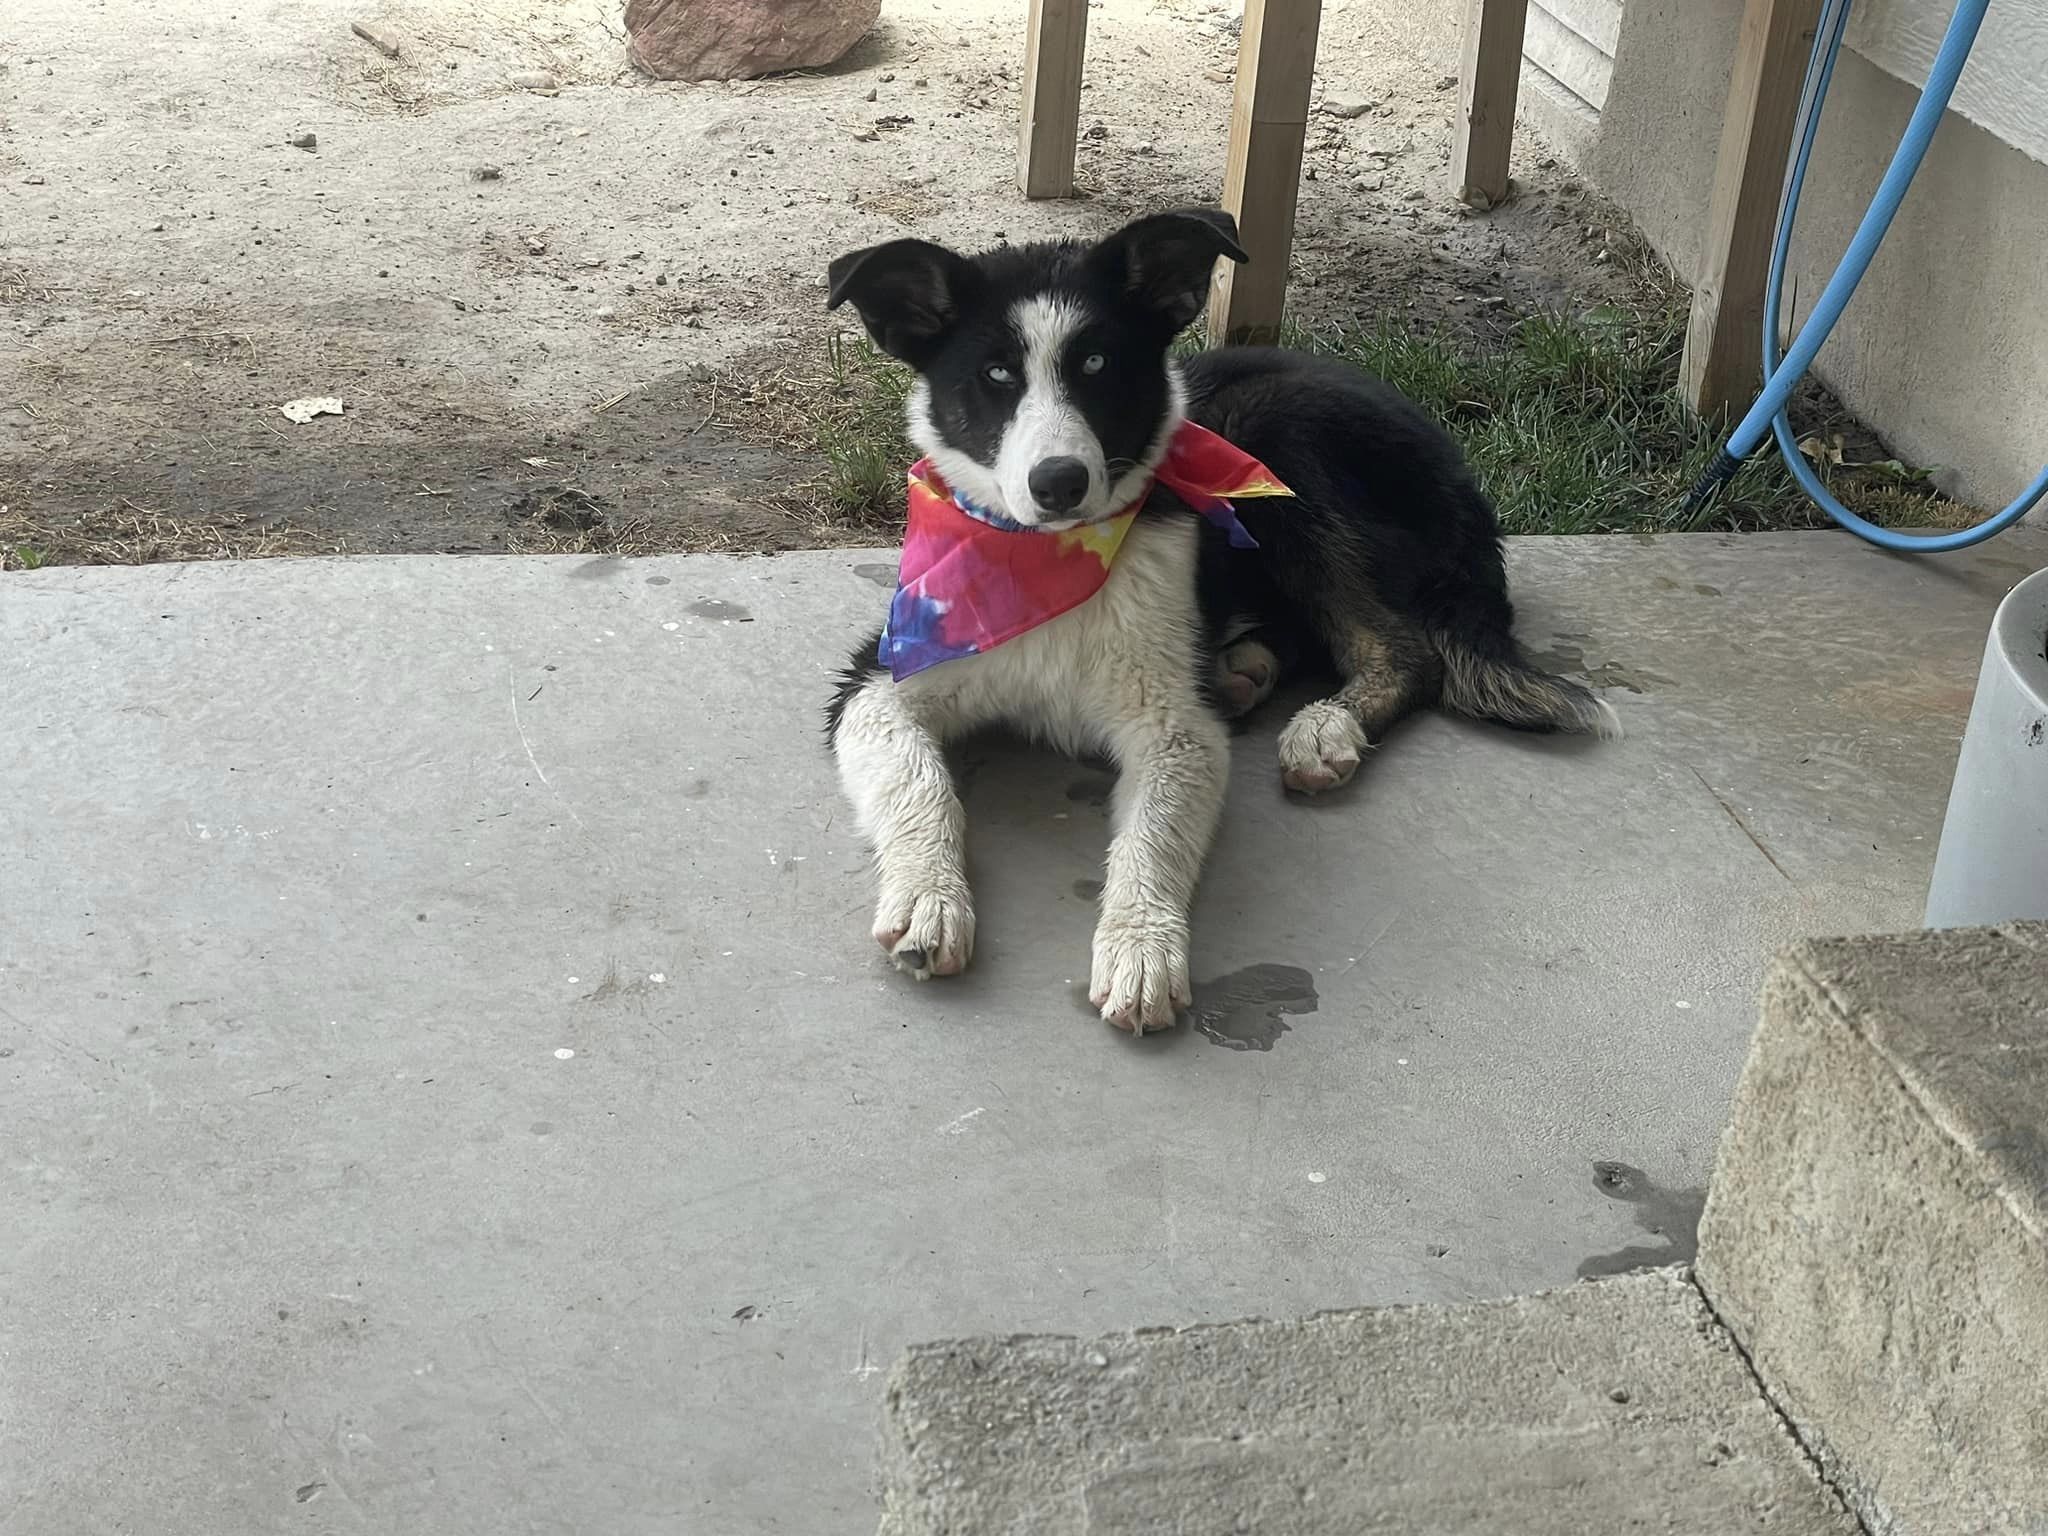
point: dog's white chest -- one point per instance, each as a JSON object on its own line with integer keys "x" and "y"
{"x": 1074, "y": 680}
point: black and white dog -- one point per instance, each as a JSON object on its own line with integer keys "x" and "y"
{"x": 1046, "y": 393}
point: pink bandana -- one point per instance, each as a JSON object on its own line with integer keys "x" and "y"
{"x": 971, "y": 580}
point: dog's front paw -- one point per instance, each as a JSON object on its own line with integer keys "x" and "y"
{"x": 1140, "y": 979}
{"x": 1321, "y": 748}
{"x": 927, "y": 933}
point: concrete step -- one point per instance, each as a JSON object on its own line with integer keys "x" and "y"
{"x": 1876, "y": 1233}
{"x": 1612, "y": 1407}
{"x": 1863, "y": 1345}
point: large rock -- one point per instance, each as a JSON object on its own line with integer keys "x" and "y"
{"x": 738, "y": 39}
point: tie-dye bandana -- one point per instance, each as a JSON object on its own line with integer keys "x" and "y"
{"x": 971, "y": 579}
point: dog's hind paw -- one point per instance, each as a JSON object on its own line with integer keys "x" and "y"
{"x": 1246, "y": 673}
{"x": 1140, "y": 979}
{"x": 927, "y": 933}
{"x": 1321, "y": 748}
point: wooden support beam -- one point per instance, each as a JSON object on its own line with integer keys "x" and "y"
{"x": 1276, "y": 65}
{"x": 1055, "y": 39}
{"x": 1489, "y": 77}
{"x": 1722, "y": 367}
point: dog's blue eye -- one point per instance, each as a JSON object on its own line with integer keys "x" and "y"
{"x": 996, "y": 373}
{"x": 1094, "y": 362}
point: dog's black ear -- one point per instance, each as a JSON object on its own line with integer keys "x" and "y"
{"x": 1165, "y": 261}
{"x": 908, "y": 292}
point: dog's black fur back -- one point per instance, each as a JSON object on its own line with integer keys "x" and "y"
{"x": 1386, "y": 516}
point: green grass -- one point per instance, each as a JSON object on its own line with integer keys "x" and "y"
{"x": 1573, "y": 423}
{"x": 859, "y": 429}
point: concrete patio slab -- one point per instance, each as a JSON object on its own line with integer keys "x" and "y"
{"x": 448, "y": 1085}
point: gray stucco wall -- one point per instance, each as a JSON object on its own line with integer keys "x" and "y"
{"x": 1945, "y": 349}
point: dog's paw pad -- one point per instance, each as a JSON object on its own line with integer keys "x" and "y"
{"x": 1246, "y": 674}
{"x": 1140, "y": 977}
{"x": 928, "y": 934}
{"x": 1321, "y": 748}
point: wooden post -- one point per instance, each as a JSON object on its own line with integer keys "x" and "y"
{"x": 1276, "y": 65}
{"x": 1722, "y": 366}
{"x": 1488, "y": 79}
{"x": 1056, "y": 37}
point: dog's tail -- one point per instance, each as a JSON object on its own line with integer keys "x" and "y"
{"x": 1487, "y": 675}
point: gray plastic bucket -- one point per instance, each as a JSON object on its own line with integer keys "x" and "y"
{"x": 1992, "y": 866}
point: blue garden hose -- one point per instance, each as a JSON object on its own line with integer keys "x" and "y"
{"x": 1783, "y": 376}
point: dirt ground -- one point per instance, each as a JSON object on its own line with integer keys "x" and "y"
{"x": 543, "y": 286}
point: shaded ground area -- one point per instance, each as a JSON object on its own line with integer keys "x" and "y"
{"x": 450, "y": 1084}
{"x": 567, "y": 307}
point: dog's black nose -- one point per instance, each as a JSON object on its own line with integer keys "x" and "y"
{"x": 1058, "y": 485}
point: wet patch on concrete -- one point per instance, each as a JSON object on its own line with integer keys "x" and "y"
{"x": 657, "y": 581}
{"x": 713, "y": 608}
{"x": 603, "y": 568}
{"x": 880, "y": 575}
{"x": 697, "y": 790}
{"x": 1704, "y": 590}
{"x": 1565, "y": 657}
{"x": 1670, "y": 1215}
{"x": 1087, "y": 890}
{"x": 1095, "y": 789}
{"x": 1248, "y": 1010}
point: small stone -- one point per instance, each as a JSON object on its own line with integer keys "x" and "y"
{"x": 1339, "y": 102}
{"x": 486, "y": 173}
{"x": 1097, "y": 1358}
{"x": 1618, "y": 1395}
{"x": 1220, "y": 76}
{"x": 1547, "y": 163}
{"x": 157, "y": 228}
{"x": 873, "y": 92}
{"x": 1097, "y": 131}
{"x": 1369, "y": 183}
{"x": 1414, "y": 194}
{"x": 535, "y": 246}
{"x": 380, "y": 38}
{"x": 1143, "y": 147}
{"x": 606, "y": 313}
{"x": 920, "y": 82}
{"x": 1446, "y": 82}
{"x": 304, "y": 141}
{"x": 33, "y": 181}
{"x": 533, "y": 80}
{"x": 661, "y": 279}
